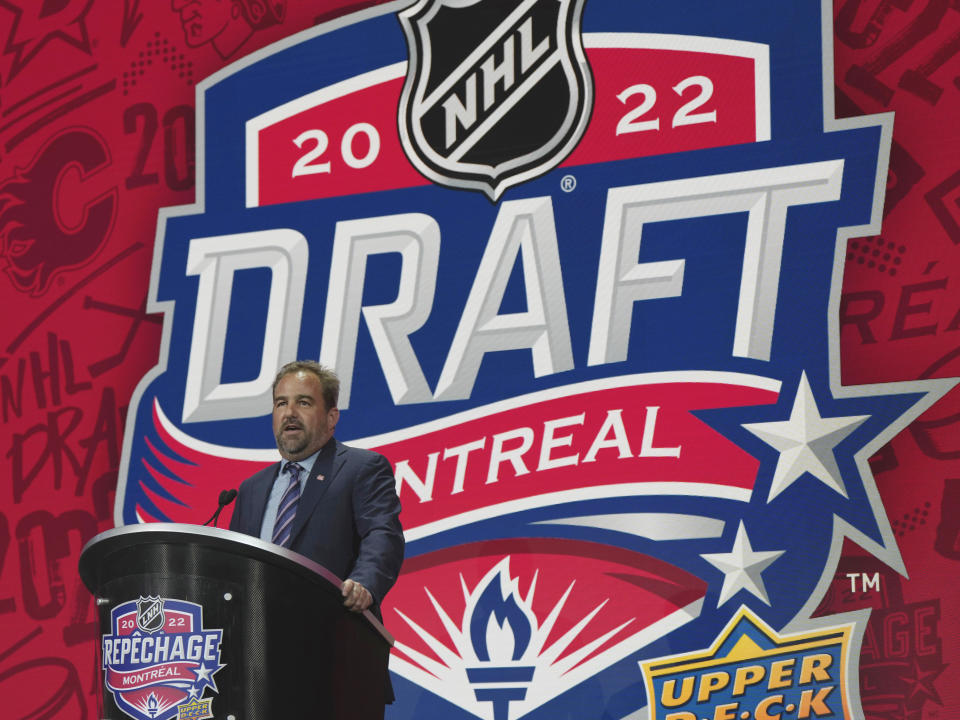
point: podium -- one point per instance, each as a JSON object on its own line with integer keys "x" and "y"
{"x": 200, "y": 622}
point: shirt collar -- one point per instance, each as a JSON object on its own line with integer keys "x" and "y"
{"x": 306, "y": 464}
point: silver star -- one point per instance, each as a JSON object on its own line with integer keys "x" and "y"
{"x": 203, "y": 674}
{"x": 742, "y": 567}
{"x": 806, "y": 442}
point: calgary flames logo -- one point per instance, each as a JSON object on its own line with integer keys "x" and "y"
{"x": 40, "y": 235}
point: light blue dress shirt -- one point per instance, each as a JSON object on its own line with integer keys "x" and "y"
{"x": 279, "y": 488}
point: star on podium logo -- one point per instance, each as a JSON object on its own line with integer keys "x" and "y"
{"x": 205, "y": 677}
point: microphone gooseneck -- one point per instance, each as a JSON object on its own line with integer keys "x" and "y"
{"x": 226, "y": 497}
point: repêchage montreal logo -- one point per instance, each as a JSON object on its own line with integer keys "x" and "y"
{"x": 159, "y": 659}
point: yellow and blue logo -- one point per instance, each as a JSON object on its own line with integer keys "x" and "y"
{"x": 753, "y": 672}
{"x": 196, "y": 709}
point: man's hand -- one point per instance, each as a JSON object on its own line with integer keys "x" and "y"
{"x": 355, "y": 596}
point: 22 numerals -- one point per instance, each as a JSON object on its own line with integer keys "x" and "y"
{"x": 634, "y": 122}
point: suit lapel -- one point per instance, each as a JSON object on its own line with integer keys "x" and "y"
{"x": 258, "y": 496}
{"x": 327, "y": 464}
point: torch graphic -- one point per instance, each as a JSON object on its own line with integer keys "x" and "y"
{"x": 500, "y": 630}
{"x": 498, "y": 652}
{"x": 153, "y": 705}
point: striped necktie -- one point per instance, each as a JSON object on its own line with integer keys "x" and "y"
{"x": 288, "y": 507}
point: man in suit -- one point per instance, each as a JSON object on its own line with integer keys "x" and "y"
{"x": 335, "y": 504}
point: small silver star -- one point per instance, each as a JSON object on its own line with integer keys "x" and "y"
{"x": 742, "y": 567}
{"x": 203, "y": 674}
{"x": 806, "y": 442}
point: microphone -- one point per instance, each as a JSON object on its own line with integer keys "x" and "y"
{"x": 226, "y": 497}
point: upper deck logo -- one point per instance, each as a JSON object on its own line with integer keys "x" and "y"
{"x": 496, "y": 92}
{"x": 750, "y": 670}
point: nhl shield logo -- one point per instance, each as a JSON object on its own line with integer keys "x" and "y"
{"x": 150, "y": 616}
{"x": 496, "y": 93}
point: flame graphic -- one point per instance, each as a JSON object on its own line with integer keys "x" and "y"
{"x": 36, "y": 243}
{"x": 499, "y": 627}
{"x": 153, "y": 704}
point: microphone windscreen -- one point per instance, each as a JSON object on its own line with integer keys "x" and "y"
{"x": 227, "y": 496}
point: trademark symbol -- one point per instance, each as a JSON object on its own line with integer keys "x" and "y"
{"x": 568, "y": 183}
{"x": 867, "y": 582}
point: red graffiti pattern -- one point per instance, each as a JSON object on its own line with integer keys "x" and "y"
{"x": 97, "y": 133}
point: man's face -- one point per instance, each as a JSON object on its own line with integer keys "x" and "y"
{"x": 302, "y": 423}
{"x": 203, "y": 20}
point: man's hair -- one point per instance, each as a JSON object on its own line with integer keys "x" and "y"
{"x": 329, "y": 382}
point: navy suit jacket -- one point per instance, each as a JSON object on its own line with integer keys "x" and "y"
{"x": 348, "y": 521}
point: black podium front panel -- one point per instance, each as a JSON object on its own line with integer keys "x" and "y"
{"x": 200, "y": 623}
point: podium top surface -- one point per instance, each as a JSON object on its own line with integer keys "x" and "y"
{"x": 129, "y": 536}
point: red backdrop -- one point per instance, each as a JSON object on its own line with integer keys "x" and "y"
{"x": 96, "y": 134}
